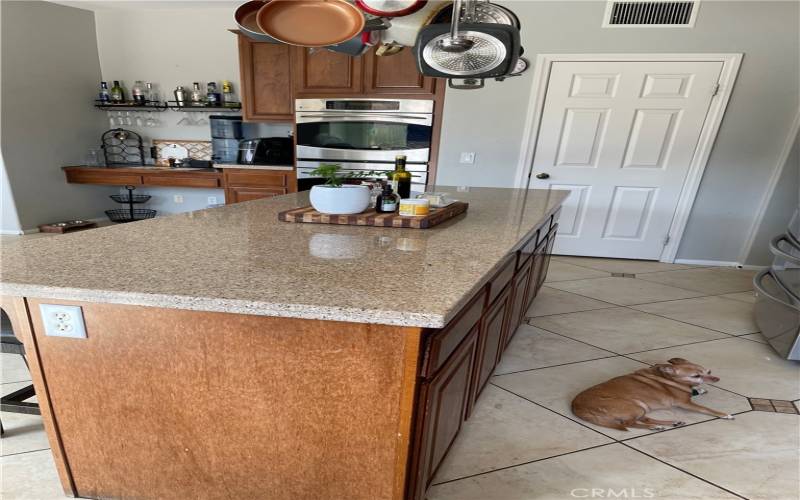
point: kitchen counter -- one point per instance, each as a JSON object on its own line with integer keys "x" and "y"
{"x": 241, "y": 259}
{"x": 226, "y": 354}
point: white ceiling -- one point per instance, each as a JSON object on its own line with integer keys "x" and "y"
{"x": 148, "y": 4}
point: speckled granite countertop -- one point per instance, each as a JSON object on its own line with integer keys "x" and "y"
{"x": 241, "y": 259}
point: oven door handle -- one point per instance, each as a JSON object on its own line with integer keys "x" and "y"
{"x": 422, "y": 120}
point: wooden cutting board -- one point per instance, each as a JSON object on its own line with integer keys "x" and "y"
{"x": 372, "y": 218}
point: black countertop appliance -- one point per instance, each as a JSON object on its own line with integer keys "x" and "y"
{"x": 266, "y": 151}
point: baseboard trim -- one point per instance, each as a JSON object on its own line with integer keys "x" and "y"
{"x": 718, "y": 263}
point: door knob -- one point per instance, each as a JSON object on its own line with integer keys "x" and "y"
{"x": 543, "y": 175}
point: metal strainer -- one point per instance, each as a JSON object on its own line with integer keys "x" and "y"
{"x": 485, "y": 54}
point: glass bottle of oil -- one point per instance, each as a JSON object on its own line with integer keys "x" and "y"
{"x": 401, "y": 178}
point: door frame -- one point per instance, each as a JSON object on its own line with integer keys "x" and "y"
{"x": 708, "y": 134}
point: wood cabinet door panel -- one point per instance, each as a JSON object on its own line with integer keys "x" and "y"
{"x": 266, "y": 80}
{"x": 397, "y": 74}
{"x": 493, "y": 332}
{"x": 240, "y": 194}
{"x": 546, "y": 253}
{"x": 325, "y": 72}
{"x": 443, "y": 402}
{"x": 520, "y": 285}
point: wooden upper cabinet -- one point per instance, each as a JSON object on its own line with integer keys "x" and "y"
{"x": 396, "y": 74}
{"x": 319, "y": 72}
{"x": 266, "y": 80}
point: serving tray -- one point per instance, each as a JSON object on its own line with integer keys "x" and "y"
{"x": 372, "y": 218}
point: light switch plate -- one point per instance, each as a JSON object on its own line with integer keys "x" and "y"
{"x": 63, "y": 321}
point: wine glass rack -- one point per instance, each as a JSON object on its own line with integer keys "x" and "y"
{"x": 189, "y": 106}
{"x": 150, "y": 106}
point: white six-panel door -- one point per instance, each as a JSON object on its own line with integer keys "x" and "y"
{"x": 621, "y": 136}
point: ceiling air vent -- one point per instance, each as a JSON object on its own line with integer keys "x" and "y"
{"x": 650, "y": 13}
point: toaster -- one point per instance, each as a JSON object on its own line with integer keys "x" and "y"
{"x": 266, "y": 151}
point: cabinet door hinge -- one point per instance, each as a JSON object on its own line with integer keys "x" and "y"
{"x": 716, "y": 90}
{"x": 666, "y": 240}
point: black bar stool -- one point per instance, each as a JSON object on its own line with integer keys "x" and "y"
{"x": 15, "y": 402}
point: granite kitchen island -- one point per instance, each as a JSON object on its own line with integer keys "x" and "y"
{"x": 230, "y": 355}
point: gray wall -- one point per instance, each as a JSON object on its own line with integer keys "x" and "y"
{"x": 785, "y": 200}
{"x": 765, "y": 99}
{"x": 50, "y": 72}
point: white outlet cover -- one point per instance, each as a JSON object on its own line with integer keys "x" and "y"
{"x": 178, "y": 198}
{"x": 467, "y": 157}
{"x": 212, "y": 200}
{"x": 63, "y": 321}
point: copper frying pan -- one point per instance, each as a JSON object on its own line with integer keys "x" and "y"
{"x": 310, "y": 23}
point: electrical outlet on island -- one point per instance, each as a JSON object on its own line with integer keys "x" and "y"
{"x": 178, "y": 198}
{"x": 212, "y": 200}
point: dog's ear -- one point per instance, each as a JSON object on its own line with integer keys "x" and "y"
{"x": 677, "y": 361}
{"x": 665, "y": 369}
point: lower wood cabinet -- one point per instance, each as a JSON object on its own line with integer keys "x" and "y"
{"x": 459, "y": 359}
{"x": 443, "y": 404}
{"x": 246, "y": 184}
{"x": 520, "y": 288}
{"x": 240, "y": 194}
{"x": 495, "y": 328}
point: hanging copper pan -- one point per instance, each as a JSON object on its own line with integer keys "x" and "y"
{"x": 245, "y": 17}
{"x": 310, "y": 23}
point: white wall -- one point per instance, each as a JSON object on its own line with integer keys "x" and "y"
{"x": 490, "y": 121}
{"x": 50, "y": 70}
{"x": 785, "y": 200}
{"x": 188, "y": 45}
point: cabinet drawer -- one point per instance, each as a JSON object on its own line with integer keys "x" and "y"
{"x": 257, "y": 178}
{"x": 111, "y": 178}
{"x": 196, "y": 182}
{"x": 442, "y": 344}
{"x": 502, "y": 278}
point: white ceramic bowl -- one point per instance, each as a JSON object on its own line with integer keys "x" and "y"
{"x": 344, "y": 200}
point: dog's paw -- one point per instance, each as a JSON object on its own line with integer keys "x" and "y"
{"x": 658, "y": 428}
{"x": 678, "y": 424}
{"x": 728, "y": 417}
{"x": 700, "y": 391}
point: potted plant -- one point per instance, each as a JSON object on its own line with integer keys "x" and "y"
{"x": 335, "y": 197}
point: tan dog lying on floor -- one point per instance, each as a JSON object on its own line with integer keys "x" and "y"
{"x": 624, "y": 401}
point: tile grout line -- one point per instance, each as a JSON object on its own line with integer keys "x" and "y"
{"x": 626, "y": 354}
{"x": 681, "y": 470}
{"x": 613, "y": 355}
{"x": 554, "y": 412}
{"x": 23, "y": 452}
{"x": 520, "y": 464}
{"x": 646, "y": 272}
{"x": 639, "y": 352}
{"x": 631, "y": 307}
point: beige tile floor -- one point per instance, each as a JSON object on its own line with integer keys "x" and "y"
{"x": 522, "y": 441}
{"x": 588, "y": 326}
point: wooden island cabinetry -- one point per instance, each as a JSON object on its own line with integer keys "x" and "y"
{"x": 313, "y": 382}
